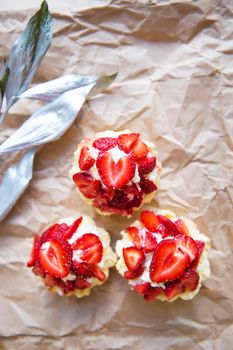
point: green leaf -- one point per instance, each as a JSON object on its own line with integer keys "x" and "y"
{"x": 26, "y": 54}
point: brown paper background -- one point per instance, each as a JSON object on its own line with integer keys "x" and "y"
{"x": 174, "y": 85}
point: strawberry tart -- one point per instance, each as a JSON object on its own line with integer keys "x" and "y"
{"x": 116, "y": 172}
{"x": 163, "y": 256}
{"x": 72, "y": 256}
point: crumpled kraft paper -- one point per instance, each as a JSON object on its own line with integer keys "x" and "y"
{"x": 174, "y": 85}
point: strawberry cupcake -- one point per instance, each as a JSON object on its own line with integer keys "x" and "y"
{"x": 116, "y": 172}
{"x": 163, "y": 256}
{"x": 72, "y": 256}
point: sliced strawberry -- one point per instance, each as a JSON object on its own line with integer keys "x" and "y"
{"x": 115, "y": 175}
{"x": 105, "y": 143}
{"x": 182, "y": 227}
{"x": 152, "y": 293}
{"x": 168, "y": 262}
{"x": 187, "y": 283}
{"x": 87, "y": 185}
{"x": 142, "y": 288}
{"x": 81, "y": 270}
{"x": 139, "y": 149}
{"x": 38, "y": 271}
{"x": 34, "y": 252}
{"x": 171, "y": 228}
{"x": 130, "y": 275}
{"x": 72, "y": 228}
{"x": 149, "y": 220}
{"x": 86, "y": 161}
{"x": 56, "y": 260}
{"x": 91, "y": 246}
{"x": 187, "y": 245}
{"x": 135, "y": 236}
{"x": 150, "y": 242}
{"x": 133, "y": 257}
{"x": 68, "y": 286}
{"x": 200, "y": 246}
{"x": 127, "y": 141}
{"x": 147, "y": 185}
{"x": 146, "y": 165}
{"x": 50, "y": 233}
{"x": 81, "y": 283}
{"x": 96, "y": 271}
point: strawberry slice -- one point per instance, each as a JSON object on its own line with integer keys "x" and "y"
{"x": 200, "y": 246}
{"x": 150, "y": 242}
{"x": 91, "y": 246}
{"x": 72, "y": 228}
{"x": 139, "y": 149}
{"x": 142, "y": 288}
{"x": 81, "y": 270}
{"x": 34, "y": 252}
{"x": 171, "y": 228}
{"x": 96, "y": 271}
{"x": 86, "y": 161}
{"x": 87, "y": 185}
{"x": 81, "y": 283}
{"x": 127, "y": 141}
{"x": 187, "y": 246}
{"x": 133, "y": 257}
{"x": 115, "y": 175}
{"x": 135, "y": 236}
{"x": 152, "y": 294}
{"x": 68, "y": 286}
{"x": 182, "y": 227}
{"x": 149, "y": 220}
{"x": 147, "y": 185}
{"x": 130, "y": 275}
{"x": 50, "y": 281}
{"x": 50, "y": 233}
{"x": 105, "y": 143}
{"x": 146, "y": 165}
{"x": 187, "y": 283}
{"x": 57, "y": 259}
{"x": 168, "y": 262}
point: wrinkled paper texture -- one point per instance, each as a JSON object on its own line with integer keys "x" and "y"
{"x": 174, "y": 86}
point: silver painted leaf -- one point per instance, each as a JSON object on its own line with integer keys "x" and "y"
{"x": 26, "y": 54}
{"x": 15, "y": 181}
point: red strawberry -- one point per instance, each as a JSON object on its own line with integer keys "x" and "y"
{"x": 171, "y": 228}
{"x": 38, "y": 271}
{"x": 135, "y": 235}
{"x": 150, "y": 242}
{"x": 91, "y": 246}
{"x": 187, "y": 283}
{"x": 81, "y": 270}
{"x": 127, "y": 141}
{"x": 187, "y": 246}
{"x": 149, "y": 220}
{"x": 68, "y": 286}
{"x": 50, "y": 281}
{"x": 34, "y": 252}
{"x": 115, "y": 175}
{"x": 105, "y": 143}
{"x": 72, "y": 228}
{"x": 200, "y": 246}
{"x": 86, "y": 161}
{"x": 146, "y": 165}
{"x": 147, "y": 185}
{"x": 142, "y": 288}
{"x": 133, "y": 257}
{"x": 182, "y": 227}
{"x": 139, "y": 149}
{"x": 56, "y": 260}
{"x": 168, "y": 262}
{"x": 152, "y": 293}
{"x": 81, "y": 283}
{"x": 130, "y": 275}
{"x": 96, "y": 271}
{"x": 49, "y": 233}
{"x": 87, "y": 185}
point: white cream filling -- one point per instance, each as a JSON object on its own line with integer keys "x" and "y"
{"x": 203, "y": 268}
